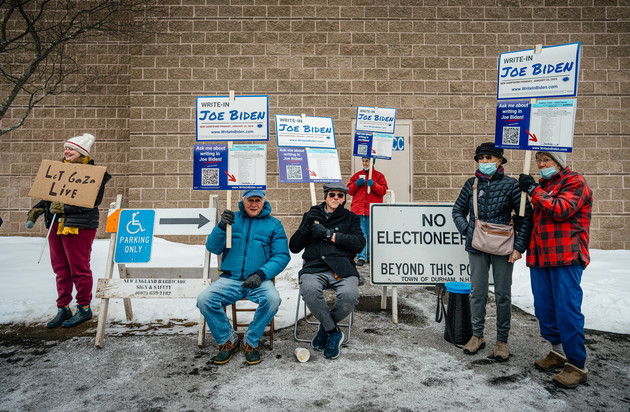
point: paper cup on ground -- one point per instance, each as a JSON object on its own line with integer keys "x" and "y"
{"x": 302, "y": 354}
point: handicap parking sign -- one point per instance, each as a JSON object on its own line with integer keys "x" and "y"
{"x": 135, "y": 236}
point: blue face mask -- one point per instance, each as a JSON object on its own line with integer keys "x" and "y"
{"x": 547, "y": 172}
{"x": 488, "y": 169}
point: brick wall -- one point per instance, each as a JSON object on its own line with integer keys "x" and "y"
{"x": 436, "y": 61}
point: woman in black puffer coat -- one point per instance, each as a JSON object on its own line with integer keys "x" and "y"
{"x": 71, "y": 238}
{"x": 497, "y": 197}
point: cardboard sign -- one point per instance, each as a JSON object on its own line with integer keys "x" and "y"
{"x": 69, "y": 183}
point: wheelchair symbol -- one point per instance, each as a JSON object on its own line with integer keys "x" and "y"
{"x": 135, "y": 223}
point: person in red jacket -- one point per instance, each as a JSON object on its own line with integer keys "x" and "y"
{"x": 557, "y": 255}
{"x": 361, "y": 200}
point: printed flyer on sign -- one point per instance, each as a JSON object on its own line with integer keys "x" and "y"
{"x": 552, "y": 125}
{"x": 376, "y": 145}
{"x": 308, "y": 165}
{"x": 244, "y": 118}
{"x": 210, "y": 167}
{"x": 247, "y": 167}
{"x": 553, "y": 72}
{"x": 308, "y": 131}
{"x": 376, "y": 119}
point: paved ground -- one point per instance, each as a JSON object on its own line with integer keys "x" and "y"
{"x": 408, "y": 366}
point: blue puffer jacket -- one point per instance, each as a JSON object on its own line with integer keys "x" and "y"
{"x": 259, "y": 245}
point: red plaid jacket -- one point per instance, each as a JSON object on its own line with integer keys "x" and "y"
{"x": 562, "y": 219}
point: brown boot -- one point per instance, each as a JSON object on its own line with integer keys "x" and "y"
{"x": 501, "y": 351}
{"x": 551, "y": 362}
{"x": 570, "y": 377}
{"x": 473, "y": 345}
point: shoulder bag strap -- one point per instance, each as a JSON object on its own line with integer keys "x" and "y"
{"x": 475, "y": 198}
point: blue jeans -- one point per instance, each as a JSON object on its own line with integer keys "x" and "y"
{"x": 224, "y": 292}
{"x": 557, "y": 304}
{"x": 365, "y": 227}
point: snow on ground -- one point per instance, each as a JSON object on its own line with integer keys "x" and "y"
{"x": 29, "y": 293}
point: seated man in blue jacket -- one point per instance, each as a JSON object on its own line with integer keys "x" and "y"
{"x": 259, "y": 253}
{"x": 331, "y": 237}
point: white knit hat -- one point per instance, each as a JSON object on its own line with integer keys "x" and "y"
{"x": 81, "y": 144}
{"x": 558, "y": 157}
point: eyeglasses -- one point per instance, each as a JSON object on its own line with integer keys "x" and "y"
{"x": 487, "y": 157}
{"x": 339, "y": 195}
{"x": 543, "y": 161}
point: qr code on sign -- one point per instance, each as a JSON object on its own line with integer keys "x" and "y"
{"x": 362, "y": 149}
{"x": 294, "y": 172}
{"x": 209, "y": 177}
{"x": 510, "y": 135}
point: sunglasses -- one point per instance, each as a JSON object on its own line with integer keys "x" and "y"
{"x": 339, "y": 195}
{"x": 487, "y": 157}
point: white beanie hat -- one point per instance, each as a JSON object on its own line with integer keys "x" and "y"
{"x": 81, "y": 144}
{"x": 558, "y": 157}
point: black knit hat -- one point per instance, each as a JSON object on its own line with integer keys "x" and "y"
{"x": 488, "y": 148}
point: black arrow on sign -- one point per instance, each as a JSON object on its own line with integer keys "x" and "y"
{"x": 200, "y": 221}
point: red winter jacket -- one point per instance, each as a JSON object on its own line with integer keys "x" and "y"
{"x": 562, "y": 219}
{"x": 360, "y": 199}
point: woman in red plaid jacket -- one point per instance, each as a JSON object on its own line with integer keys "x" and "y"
{"x": 557, "y": 255}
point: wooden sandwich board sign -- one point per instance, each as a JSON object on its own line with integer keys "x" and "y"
{"x": 155, "y": 282}
{"x": 69, "y": 183}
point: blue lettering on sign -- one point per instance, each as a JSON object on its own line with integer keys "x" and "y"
{"x": 236, "y": 115}
{"x": 399, "y": 143}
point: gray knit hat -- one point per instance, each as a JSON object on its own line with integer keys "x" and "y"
{"x": 558, "y": 157}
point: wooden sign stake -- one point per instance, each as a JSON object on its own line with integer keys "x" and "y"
{"x": 528, "y": 153}
{"x": 228, "y": 228}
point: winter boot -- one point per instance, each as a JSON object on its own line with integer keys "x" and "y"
{"x": 226, "y": 351}
{"x": 474, "y": 345}
{"x": 333, "y": 344}
{"x": 83, "y": 314}
{"x": 252, "y": 356}
{"x": 501, "y": 351}
{"x": 62, "y": 314}
{"x": 551, "y": 362}
{"x": 319, "y": 341}
{"x": 570, "y": 377}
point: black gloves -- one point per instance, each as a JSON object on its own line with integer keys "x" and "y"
{"x": 252, "y": 282}
{"x": 359, "y": 181}
{"x": 57, "y": 208}
{"x": 227, "y": 218}
{"x": 527, "y": 183}
{"x": 32, "y": 216}
{"x": 320, "y": 232}
{"x": 314, "y": 214}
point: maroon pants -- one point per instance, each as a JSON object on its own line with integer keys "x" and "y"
{"x": 70, "y": 259}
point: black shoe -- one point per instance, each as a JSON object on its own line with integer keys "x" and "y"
{"x": 360, "y": 262}
{"x": 62, "y": 314}
{"x": 82, "y": 315}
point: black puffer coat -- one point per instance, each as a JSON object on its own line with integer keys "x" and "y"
{"x": 496, "y": 199}
{"x": 77, "y": 216}
{"x": 322, "y": 255}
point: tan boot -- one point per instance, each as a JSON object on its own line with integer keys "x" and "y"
{"x": 473, "y": 345}
{"x": 570, "y": 377}
{"x": 551, "y": 362}
{"x": 501, "y": 351}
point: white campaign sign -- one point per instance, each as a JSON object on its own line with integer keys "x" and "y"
{"x": 308, "y": 131}
{"x": 244, "y": 118}
{"x": 376, "y": 119}
{"x": 553, "y": 72}
{"x": 247, "y": 164}
{"x": 416, "y": 244}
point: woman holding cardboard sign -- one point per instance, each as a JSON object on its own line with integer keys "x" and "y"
{"x": 488, "y": 199}
{"x": 73, "y": 232}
